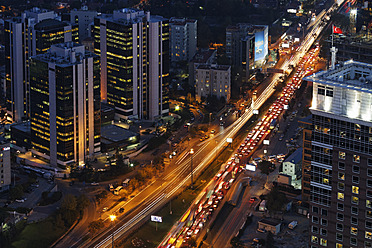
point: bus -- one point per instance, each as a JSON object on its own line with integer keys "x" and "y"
{"x": 117, "y": 190}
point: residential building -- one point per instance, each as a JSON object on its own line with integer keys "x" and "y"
{"x": 134, "y": 50}
{"x": 292, "y": 164}
{"x": 27, "y": 35}
{"x": 341, "y": 159}
{"x": 202, "y": 56}
{"x": 65, "y": 104}
{"x": 85, "y": 20}
{"x": 213, "y": 80}
{"x": 183, "y": 38}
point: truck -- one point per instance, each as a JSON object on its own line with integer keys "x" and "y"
{"x": 293, "y": 224}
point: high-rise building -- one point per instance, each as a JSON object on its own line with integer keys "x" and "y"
{"x": 183, "y": 38}
{"x": 5, "y": 166}
{"x": 27, "y": 35}
{"x": 134, "y": 50}
{"x": 84, "y": 18}
{"x": 65, "y": 104}
{"x": 341, "y": 157}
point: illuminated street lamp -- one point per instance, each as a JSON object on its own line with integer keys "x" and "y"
{"x": 192, "y": 153}
{"x": 176, "y": 108}
{"x": 112, "y": 218}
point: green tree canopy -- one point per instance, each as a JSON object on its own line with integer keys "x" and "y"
{"x": 264, "y": 167}
{"x": 276, "y": 200}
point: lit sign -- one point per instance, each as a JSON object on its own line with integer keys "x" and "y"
{"x": 155, "y": 218}
{"x": 266, "y": 142}
{"x": 229, "y": 140}
{"x": 250, "y": 167}
{"x": 255, "y": 111}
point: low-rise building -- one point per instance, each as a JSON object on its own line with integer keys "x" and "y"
{"x": 213, "y": 80}
{"x": 292, "y": 165}
{"x": 270, "y": 225}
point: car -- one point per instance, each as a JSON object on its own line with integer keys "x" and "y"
{"x": 213, "y": 131}
{"x": 94, "y": 184}
{"x": 20, "y": 200}
{"x": 252, "y": 199}
{"x": 104, "y": 209}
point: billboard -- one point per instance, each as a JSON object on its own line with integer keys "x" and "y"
{"x": 155, "y": 218}
{"x": 261, "y": 44}
{"x": 250, "y": 167}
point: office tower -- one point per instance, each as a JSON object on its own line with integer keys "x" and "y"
{"x": 183, "y": 38}
{"x": 5, "y": 166}
{"x": 84, "y": 18}
{"x": 27, "y": 35}
{"x": 134, "y": 50}
{"x": 341, "y": 157}
{"x": 213, "y": 80}
{"x": 65, "y": 104}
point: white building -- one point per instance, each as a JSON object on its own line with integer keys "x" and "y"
{"x": 85, "y": 20}
{"x": 292, "y": 165}
{"x": 213, "y": 80}
{"x": 183, "y": 38}
{"x": 134, "y": 50}
{"x": 5, "y": 166}
{"x": 65, "y": 104}
{"x": 27, "y": 35}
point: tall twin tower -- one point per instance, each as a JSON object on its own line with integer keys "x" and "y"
{"x": 58, "y": 85}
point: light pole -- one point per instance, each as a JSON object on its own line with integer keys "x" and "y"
{"x": 192, "y": 183}
{"x": 112, "y": 218}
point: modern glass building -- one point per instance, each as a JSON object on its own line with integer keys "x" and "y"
{"x": 341, "y": 157}
{"x": 65, "y": 104}
{"x": 134, "y": 51}
{"x": 27, "y": 35}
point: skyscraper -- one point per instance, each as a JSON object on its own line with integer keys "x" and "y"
{"x": 134, "y": 50}
{"x": 341, "y": 157}
{"x": 65, "y": 104}
{"x": 27, "y": 35}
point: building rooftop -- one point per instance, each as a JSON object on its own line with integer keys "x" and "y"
{"x": 113, "y": 133}
{"x": 202, "y": 56}
{"x": 345, "y": 76}
{"x": 181, "y": 21}
{"x": 129, "y": 16}
{"x": 270, "y": 221}
{"x": 49, "y": 24}
{"x": 295, "y": 157}
{"x": 214, "y": 67}
{"x": 22, "y": 126}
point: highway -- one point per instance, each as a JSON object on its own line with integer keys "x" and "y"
{"x": 178, "y": 176}
{"x": 183, "y": 230}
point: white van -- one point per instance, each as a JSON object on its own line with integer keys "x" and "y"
{"x": 293, "y": 224}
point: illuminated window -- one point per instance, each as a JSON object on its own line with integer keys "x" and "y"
{"x": 355, "y": 189}
{"x": 354, "y": 231}
{"x": 323, "y": 242}
{"x": 314, "y": 239}
{"x": 357, "y": 127}
{"x": 368, "y": 235}
{"x": 356, "y": 158}
{"x": 340, "y": 196}
{"x": 341, "y": 176}
{"x": 355, "y": 200}
{"x": 368, "y": 203}
{"x": 325, "y": 181}
{"x": 341, "y": 155}
{"x": 369, "y": 214}
{"x": 337, "y": 244}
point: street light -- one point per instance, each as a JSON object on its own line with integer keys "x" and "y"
{"x": 192, "y": 183}
{"x": 112, "y": 218}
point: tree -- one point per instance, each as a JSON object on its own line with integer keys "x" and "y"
{"x": 269, "y": 239}
{"x": 275, "y": 200}
{"x": 95, "y": 226}
{"x": 264, "y": 167}
{"x": 69, "y": 202}
{"x": 16, "y": 192}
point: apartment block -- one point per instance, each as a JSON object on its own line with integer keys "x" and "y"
{"x": 183, "y": 38}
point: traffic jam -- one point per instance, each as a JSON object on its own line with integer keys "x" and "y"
{"x": 202, "y": 209}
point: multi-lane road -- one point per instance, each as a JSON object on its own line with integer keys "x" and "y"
{"x": 177, "y": 176}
